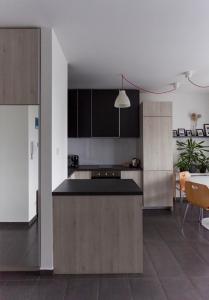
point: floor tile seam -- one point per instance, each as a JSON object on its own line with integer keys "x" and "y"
{"x": 157, "y": 273}
{"x": 186, "y": 275}
{"x": 130, "y": 289}
{"x": 176, "y": 257}
{"x": 198, "y": 253}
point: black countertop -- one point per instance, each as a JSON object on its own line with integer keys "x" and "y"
{"x": 97, "y": 187}
{"x": 101, "y": 167}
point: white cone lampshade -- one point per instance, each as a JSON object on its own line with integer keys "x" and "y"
{"x": 122, "y": 100}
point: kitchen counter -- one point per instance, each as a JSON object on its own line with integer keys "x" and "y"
{"x": 98, "y": 187}
{"x": 101, "y": 167}
{"x": 97, "y": 227}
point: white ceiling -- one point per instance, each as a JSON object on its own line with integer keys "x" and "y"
{"x": 151, "y": 41}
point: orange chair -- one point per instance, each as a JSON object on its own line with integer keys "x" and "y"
{"x": 197, "y": 194}
{"x": 180, "y": 183}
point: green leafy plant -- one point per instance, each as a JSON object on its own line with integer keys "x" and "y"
{"x": 191, "y": 152}
{"x": 203, "y": 163}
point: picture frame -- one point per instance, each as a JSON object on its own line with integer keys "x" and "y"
{"x": 181, "y": 132}
{"x": 175, "y": 133}
{"x": 188, "y": 133}
{"x": 200, "y": 132}
{"x": 206, "y": 129}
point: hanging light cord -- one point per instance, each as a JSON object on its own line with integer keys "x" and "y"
{"x": 144, "y": 90}
{"x": 195, "y": 84}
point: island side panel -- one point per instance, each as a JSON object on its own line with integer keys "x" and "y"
{"x": 98, "y": 234}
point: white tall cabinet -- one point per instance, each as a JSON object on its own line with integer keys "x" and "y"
{"x": 157, "y": 154}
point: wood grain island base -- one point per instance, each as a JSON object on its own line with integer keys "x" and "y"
{"x": 97, "y": 234}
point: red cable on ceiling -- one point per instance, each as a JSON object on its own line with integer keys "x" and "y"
{"x": 145, "y": 90}
{"x": 195, "y": 84}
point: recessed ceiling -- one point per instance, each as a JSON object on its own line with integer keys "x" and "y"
{"x": 151, "y": 41}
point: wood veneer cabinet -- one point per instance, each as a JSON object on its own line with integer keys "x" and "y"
{"x": 157, "y": 109}
{"x": 158, "y": 189}
{"x": 19, "y": 66}
{"x": 157, "y": 154}
{"x": 157, "y": 143}
{"x": 97, "y": 234}
{"x": 81, "y": 175}
{"x": 136, "y": 175}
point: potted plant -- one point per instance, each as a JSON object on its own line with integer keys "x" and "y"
{"x": 190, "y": 154}
{"x": 203, "y": 163}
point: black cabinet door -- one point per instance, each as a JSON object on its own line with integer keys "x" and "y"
{"x": 129, "y": 117}
{"x": 105, "y": 117}
{"x": 84, "y": 113}
{"x": 72, "y": 113}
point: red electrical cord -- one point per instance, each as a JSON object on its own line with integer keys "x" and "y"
{"x": 200, "y": 86}
{"x": 144, "y": 90}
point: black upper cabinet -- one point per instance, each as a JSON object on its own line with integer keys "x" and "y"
{"x": 72, "y": 113}
{"x": 84, "y": 113}
{"x": 79, "y": 113}
{"x": 92, "y": 113}
{"x": 105, "y": 117}
{"x": 129, "y": 117}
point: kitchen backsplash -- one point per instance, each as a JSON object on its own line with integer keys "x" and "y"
{"x": 104, "y": 150}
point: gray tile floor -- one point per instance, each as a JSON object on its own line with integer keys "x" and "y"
{"x": 176, "y": 267}
{"x": 19, "y": 245}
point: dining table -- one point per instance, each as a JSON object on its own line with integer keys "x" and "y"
{"x": 201, "y": 178}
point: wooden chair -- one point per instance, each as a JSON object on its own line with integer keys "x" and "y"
{"x": 180, "y": 183}
{"x": 197, "y": 194}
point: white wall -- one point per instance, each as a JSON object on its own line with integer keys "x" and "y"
{"x": 104, "y": 150}
{"x": 59, "y": 114}
{"x": 183, "y": 105}
{"x": 53, "y": 91}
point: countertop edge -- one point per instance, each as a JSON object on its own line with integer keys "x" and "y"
{"x": 96, "y": 187}
{"x": 96, "y": 194}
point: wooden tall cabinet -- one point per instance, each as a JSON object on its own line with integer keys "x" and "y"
{"x": 19, "y": 66}
{"x": 157, "y": 154}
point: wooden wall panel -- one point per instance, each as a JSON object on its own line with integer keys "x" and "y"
{"x": 19, "y": 66}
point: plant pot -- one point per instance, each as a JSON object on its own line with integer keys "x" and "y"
{"x": 193, "y": 169}
{"x": 183, "y": 169}
{"x": 203, "y": 169}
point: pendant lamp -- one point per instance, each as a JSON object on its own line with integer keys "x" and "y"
{"x": 122, "y": 100}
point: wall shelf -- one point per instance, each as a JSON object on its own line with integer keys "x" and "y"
{"x": 193, "y": 137}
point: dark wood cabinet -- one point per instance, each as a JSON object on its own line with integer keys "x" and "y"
{"x": 84, "y": 113}
{"x": 72, "y": 113}
{"x": 91, "y": 113}
{"x": 105, "y": 117}
{"x": 129, "y": 117}
{"x": 79, "y": 113}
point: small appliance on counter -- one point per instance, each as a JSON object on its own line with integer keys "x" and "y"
{"x": 73, "y": 161}
{"x": 135, "y": 162}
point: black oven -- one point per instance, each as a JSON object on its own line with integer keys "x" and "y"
{"x": 106, "y": 174}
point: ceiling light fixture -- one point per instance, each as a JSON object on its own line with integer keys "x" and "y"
{"x": 122, "y": 100}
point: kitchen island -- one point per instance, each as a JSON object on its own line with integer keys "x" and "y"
{"x": 98, "y": 227}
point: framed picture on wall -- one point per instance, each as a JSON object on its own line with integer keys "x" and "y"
{"x": 200, "y": 132}
{"x": 188, "y": 133}
{"x": 181, "y": 132}
{"x": 206, "y": 128}
{"x": 175, "y": 133}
